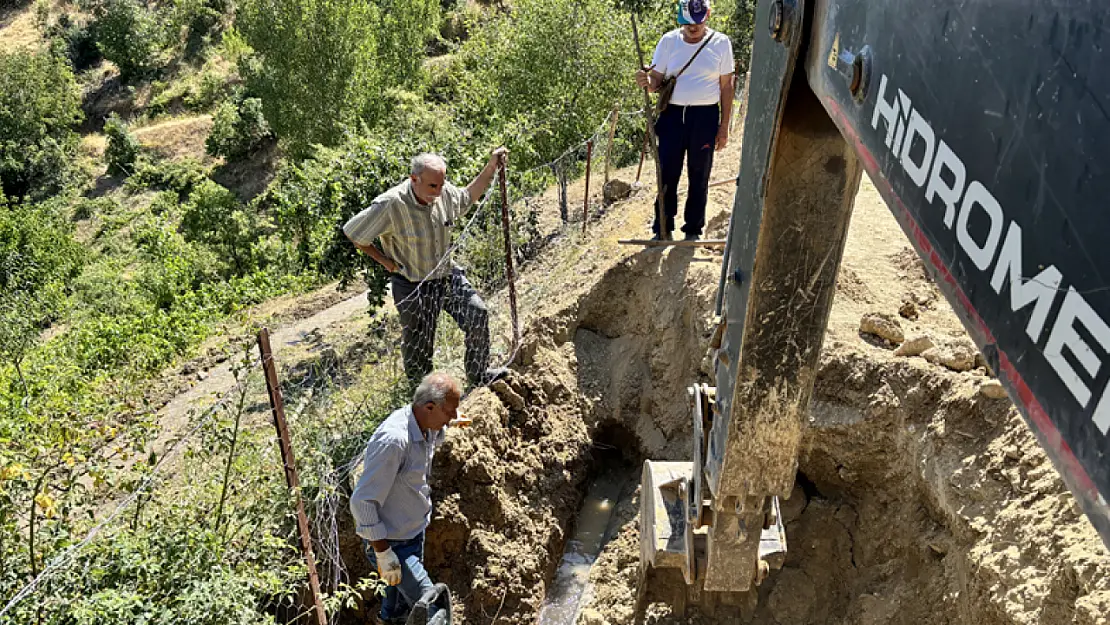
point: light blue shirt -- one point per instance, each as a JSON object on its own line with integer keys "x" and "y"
{"x": 393, "y": 500}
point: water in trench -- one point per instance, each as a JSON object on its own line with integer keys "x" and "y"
{"x": 560, "y": 606}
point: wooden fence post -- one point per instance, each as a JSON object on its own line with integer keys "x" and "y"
{"x": 586, "y": 195}
{"x": 649, "y": 113}
{"x": 612, "y": 135}
{"x": 643, "y": 152}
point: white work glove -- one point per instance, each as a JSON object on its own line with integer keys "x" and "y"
{"x": 389, "y": 567}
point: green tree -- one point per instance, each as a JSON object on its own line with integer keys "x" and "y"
{"x": 740, "y": 29}
{"x": 318, "y": 65}
{"x": 215, "y": 217}
{"x": 123, "y": 147}
{"x": 543, "y": 76}
{"x": 313, "y": 65}
{"x": 39, "y": 107}
{"x": 127, "y": 34}
{"x": 403, "y": 29}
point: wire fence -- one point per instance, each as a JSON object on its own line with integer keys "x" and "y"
{"x": 457, "y": 321}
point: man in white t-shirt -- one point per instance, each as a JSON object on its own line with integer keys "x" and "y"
{"x": 696, "y": 121}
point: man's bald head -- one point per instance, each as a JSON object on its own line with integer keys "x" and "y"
{"x": 436, "y": 400}
{"x": 428, "y": 174}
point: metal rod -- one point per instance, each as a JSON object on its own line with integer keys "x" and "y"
{"x": 586, "y": 195}
{"x": 290, "y": 464}
{"x": 649, "y": 113}
{"x": 612, "y": 134}
{"x": 509, "y": 253}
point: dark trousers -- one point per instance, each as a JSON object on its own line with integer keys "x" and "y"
{"x": 690, "y": 132}
{"x": 419, "y": 305}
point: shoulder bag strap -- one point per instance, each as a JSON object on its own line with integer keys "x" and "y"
{"x": 696, "y": 53}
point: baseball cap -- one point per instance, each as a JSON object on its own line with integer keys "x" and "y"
{"x": 692, "y": 11}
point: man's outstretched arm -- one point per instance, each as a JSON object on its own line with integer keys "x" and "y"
{"x": 479, "y": 185}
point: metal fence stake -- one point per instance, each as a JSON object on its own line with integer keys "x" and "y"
{"x": 509, "y": 254}
{"x": 290, "y": 464}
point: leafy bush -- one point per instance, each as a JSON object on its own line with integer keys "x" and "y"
{"x": 37, "y": 248}
{"x": 196, "y": 21}
{"x": 123, "y": 147}
{"x": 180, "y": 177}
{"x": 128, "y": 34}
{"x": 215, "y": 217}
{"x": 311, "y": 200}
{"x": 85, "y": 208}
{"x": 207, "y": 89}
{"x": 193, "y": 92}
{"x": 482, "y": 252}
{"x": 39, "y": 258}
{"x": 237, "y": 129}
{"x": 39, "y": 106}
{"x": 172, "y": 268}
{"x": 74, "y": 40}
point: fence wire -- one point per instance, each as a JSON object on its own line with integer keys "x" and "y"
{"x": 444, "y": 322}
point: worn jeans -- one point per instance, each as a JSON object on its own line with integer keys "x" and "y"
{"x": 399, "y": 599}
{"x": 419, "y": 304}
{"x": 690, "y": 132}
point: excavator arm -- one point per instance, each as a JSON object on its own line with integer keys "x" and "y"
{"x": 985, "y": 126}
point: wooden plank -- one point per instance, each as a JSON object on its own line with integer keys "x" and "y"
{"x": 716, "y": 243}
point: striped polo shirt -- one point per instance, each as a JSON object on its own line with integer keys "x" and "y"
{"x": 415, "y": 235}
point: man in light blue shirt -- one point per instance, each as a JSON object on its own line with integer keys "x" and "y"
{"x": 392, "y": 503}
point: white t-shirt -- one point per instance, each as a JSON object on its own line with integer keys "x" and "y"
{"x": 700, "y": 84}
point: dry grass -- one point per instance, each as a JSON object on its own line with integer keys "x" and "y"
{"x": 177, "y": 139}
{"x": 18, "y": 30}
{"x": 93, "y": 146}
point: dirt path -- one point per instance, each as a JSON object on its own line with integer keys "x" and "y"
{"x": 173, "y": 418}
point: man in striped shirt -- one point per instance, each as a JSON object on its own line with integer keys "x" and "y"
{"x": 392, "y": 503}
{"x": 413, "y": 221}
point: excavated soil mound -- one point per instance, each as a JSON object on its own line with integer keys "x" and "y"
{"x": 509, "y": 487}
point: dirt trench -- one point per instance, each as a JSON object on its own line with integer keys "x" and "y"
{"x": 607, "y": 372}
{"x": 919, "y": 499}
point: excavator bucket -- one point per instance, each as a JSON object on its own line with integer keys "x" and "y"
{"x": 676, "y": 521}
